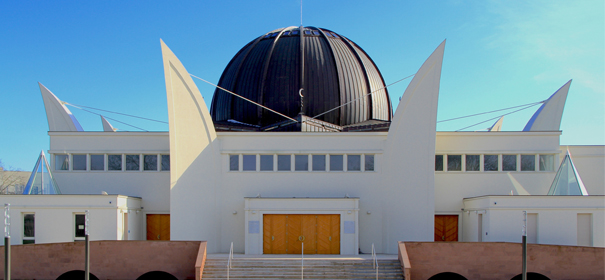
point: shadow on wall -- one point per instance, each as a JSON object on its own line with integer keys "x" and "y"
{"x": 76, "y": 275}
{"x": 447, "y": 276}
{"x": 531, "y": 276}
{"x": 456, "y": 276}
{"x": 157, "y": 275}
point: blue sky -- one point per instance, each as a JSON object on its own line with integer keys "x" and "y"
{"x": 106, "y": 54}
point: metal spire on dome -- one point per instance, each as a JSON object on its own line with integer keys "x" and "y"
{"x": 302, "y": 62}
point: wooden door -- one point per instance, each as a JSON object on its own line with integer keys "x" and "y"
{"x": 293, "y": 234}
{"x": 158, "y": 226}
{"x": 274, "y": 234}
{"x": 309, "y": 233}
{"x": 285, "y": 234}
{"x": 328, "y": 234}
{"x": 446, "y": 227}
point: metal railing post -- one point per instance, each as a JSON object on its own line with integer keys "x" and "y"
{"x": 374, "y": 260}
{"x": 302, "y": 261}
{"x": 229, "y": 261}
{"x": 524, "y": 248}
{"x": 86, "y": 248}
{"x": 7, "y": 242}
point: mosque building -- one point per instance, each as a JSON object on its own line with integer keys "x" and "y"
{"x": 301, "y": 145}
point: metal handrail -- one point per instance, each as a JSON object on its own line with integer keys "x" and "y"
{"x": 374, "y": 260}
{"x": 230, "y": 261}
{"x": 302, "y": 261}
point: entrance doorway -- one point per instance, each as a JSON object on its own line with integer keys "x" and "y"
{"x": 158, "y": 226}
{"x": 446, "y": 227}
{"x": 286, "y": 233}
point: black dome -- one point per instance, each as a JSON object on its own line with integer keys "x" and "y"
{"x": 268, "y": 71}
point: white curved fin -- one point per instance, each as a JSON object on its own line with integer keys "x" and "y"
{"x": 107, "y": 127}
{"x": 548, "y": 116}
{"x": 59, "y": 117}
{"x": 497, "y": 125}
{"x": 193, "y": 156}
{"x": 409, "y": 155}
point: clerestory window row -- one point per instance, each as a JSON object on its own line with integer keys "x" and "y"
{"x": 111, "y": 162}
{"x": 302, "y": 162}
{"x": 494, "y": 162}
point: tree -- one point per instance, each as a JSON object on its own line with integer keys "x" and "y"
{"x": 11, "y": 177}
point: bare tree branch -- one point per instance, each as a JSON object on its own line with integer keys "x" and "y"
{"x": 10, "y": 177}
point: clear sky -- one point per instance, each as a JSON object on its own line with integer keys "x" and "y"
{"x": 106, "y": 54}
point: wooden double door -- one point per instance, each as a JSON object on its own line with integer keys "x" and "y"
{"x": 446, "y": 227}
{"x": 286, "y": 234}
{"x": 158, "y": 226}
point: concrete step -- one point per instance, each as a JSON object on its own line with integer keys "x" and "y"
{"x": 290, "y": 268}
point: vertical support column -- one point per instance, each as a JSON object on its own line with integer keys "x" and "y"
{"x": 524, "y": 244}
{"x": 86, "y": 248}
{"x": 7, "y": 242}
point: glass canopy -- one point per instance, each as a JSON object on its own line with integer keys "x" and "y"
{"x": 41, "y": 180}
{"x": 567, "y": 181}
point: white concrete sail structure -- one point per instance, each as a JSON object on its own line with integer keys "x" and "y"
{"x": 107, "y": 127}
{"x": 193, "y": 158}
{"x": 59, "y": 117}
{"x": 409, "y": 158}
{"x": 548, "y": 116}
{"x": 497, "y": 125}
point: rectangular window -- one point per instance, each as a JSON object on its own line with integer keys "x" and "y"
{"x": 528, "y": 163}
{"x": 233, "y": 162}
{"x": 249, "y": 162}
{"x": 97, "y": 162}
{"x": 473, "y": 162}
{"x": 369, "y": 163}
{"x": 61, "y": 162}
{"x": 165, "y": 162}
{"x": 319, "y": 162}
{"x": 490, "y": 163}
{"x": 438, "y": 162}
{"x": 336, "y": 162}
{"x": 114, "y": 162}
{"x": 80, "y": 231}
{"x": 79, "y": 162}
{"x": 353, "y": 162}
{"x": 283, "y": 163}
{"x": 132, "y": 163}
{"x": 150, "y": 162}
{"x": 29, "y": 229}
{"x": 547, "y": 162}
{"x": 266, "y": 162}
{"x": 454, "y": 163}
{"x": 509, "y": 162}
{"x": 301, "y": 162}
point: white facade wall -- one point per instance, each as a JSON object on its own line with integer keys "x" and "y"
{"x": 451, "y": 187}
{"x": 373, "y": 188}
{"x": 55, "y": 216}
{"x": 301, "y": 184}
{"x": 152, "y": 186}
{"x": 557, "y": 221}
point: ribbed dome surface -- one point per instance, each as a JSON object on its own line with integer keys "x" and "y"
{"x": 268, "y": 71}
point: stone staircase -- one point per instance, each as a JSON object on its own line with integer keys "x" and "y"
{"x": 290, "y": 268}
